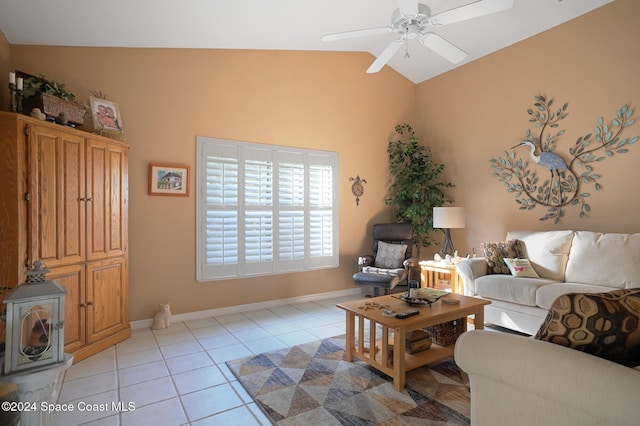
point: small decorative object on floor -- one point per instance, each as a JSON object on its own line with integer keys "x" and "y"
{"x": 162, "y": 318}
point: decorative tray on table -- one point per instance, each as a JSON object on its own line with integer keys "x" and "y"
{"x": 424, "y": 296}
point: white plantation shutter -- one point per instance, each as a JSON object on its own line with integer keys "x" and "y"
{"x": 264, "y": 209}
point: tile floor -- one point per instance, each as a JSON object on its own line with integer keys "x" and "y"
{"x": 178, "y": 376}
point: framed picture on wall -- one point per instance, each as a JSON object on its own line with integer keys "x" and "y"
{"x": 169, "y": 179}
{"x": 105, "y": 114}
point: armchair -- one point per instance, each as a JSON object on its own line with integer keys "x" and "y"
{"x": 391, "y": 264}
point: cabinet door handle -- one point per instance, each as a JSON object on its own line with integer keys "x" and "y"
{"x": 89, "y": 303}
{"x": 82, "y": 305}
{"x": 86, "y": 199}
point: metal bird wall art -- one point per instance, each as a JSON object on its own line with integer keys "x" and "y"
{"x": 564, "y": 188}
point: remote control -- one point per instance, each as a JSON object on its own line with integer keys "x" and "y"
{"x": 388, "y": 313}
{"x": 407, "y": 314}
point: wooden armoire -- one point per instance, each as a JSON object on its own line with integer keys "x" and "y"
{"x": 64, "y": 200}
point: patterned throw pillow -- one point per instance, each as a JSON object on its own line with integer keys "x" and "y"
{"x": 520, "y": 268}
{"x": 606, "y": 325}
{"x": 496, "y": 252}
{"x": 390, "y": 256}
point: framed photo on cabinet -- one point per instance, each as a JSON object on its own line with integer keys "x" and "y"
{"x": 105, "y": 114}
{"x": 169, "y": 179}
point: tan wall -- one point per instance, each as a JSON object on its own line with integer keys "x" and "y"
{"x": 4, "y": 72}
{"x": 325, "y": 100}
{"x": 167, "y": 97}
{"x": 477, "y": 111}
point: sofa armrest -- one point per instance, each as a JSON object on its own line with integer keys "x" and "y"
{"x": 469, "y": 270}
{"x": 520, "y": 380}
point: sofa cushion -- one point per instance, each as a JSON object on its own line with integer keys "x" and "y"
{"x": 547, "y": 251}
{"x": 610, "y": 260}
{"x": 520, "y": 268}
{"x": 390, "y": 255}
{"x": 495, "y": 252}
{"x": 547, "y": 294}
{"x": 602, "y": 324}
{"x": 510, "y": 289}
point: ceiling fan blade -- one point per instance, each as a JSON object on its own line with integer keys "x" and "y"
{"x": 408, "y": 7}
{"x": 384, "y": 57}
{"x": 470, "y": 11}
{"x": 357, "y": 33}
{"x": 443, "y": 48}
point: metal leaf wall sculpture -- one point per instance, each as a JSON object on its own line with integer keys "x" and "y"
{"x": 564, "y": 187}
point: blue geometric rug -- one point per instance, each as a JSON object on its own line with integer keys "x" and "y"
{"x": 312, "y": 385}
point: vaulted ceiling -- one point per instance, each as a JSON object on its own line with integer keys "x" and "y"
{"x": 276, "y": 25}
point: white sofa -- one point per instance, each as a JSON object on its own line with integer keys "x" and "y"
{"x": 521, "y": 381}
{"x": 566, "y": 261}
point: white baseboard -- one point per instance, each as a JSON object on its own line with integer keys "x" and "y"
{"x": 189, "y": 316}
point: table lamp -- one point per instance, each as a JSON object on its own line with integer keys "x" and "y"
{"x": 447, "y": 218}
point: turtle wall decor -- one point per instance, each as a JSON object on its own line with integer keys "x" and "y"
{"x": 568, "y": 173}
{"x": 357, "y": 187}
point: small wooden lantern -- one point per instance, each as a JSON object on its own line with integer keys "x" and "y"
{"x": 35, "y": 323}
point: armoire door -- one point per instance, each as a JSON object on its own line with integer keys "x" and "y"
{"x": 106, "y": 298}
{"x": 72, "y": 279}
{"x": 107, "y": 200}
{"x": 56, "y": 197}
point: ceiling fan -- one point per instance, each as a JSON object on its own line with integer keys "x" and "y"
{"x": 412, "y": 19}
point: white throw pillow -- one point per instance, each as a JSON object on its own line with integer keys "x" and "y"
{"x": 547, "y": 251}
{"x": 390, "y": 256}
{"x": 520, "y": 268}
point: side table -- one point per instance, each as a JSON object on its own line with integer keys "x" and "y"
{"x": 37, "y": 386}
{"x": 433, "y": 272}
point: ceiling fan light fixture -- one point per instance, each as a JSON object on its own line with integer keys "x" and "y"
{"x": 411, "y": 20}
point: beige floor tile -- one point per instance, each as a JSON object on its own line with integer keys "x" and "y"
{"x": 86, "y": 386}
{"x": 202, "y": 378}
{"x": 139, "y": 357}
{"x": 81, "y": 413}
{"x": 188, "y": 362}
{"x": 228, "y": 353}
{"x": 240, "y": 416}
{"x": 210, "y": 401}
{"x": 178, "y": 349}
{"x": 163, "y": 413}
{"x": 142, "y": 373}
{"x": 149, "y": 392}
{"x": 219, "y": 341}
{"x": 268, "y": 344}
{"x": 136, "y": 343}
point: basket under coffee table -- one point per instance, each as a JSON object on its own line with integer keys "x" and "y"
{"x": 388, "y": 334}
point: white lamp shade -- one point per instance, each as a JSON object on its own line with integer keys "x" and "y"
{"x": 448, "y": 217}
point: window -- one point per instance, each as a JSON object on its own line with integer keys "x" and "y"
{"x": 264, "y": 209}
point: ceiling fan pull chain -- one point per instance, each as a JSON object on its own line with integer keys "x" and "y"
{"x": 406, "y": 43}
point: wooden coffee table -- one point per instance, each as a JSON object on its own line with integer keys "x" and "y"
{"x": 394, "y": 331}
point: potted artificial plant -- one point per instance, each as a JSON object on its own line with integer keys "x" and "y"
{"x": 415, "y": 185}
{"x": 51, "y": 98}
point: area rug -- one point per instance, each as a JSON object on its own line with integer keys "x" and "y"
{"x": 312, "y": 384}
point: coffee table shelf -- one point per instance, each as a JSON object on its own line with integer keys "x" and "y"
{"x": 390, "y": 332}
